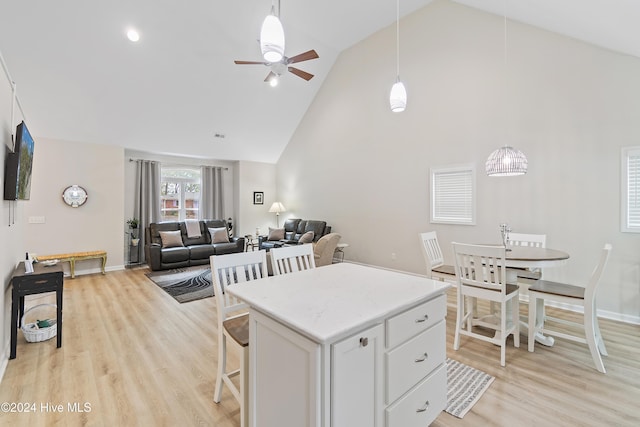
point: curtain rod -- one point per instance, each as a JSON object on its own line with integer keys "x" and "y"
{"x": 223, "y": 168}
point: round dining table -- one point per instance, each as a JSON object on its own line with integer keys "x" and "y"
{"x": 530, "y": 257}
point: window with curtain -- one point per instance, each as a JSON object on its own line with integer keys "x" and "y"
{"x": 630, "y": 194}
{"x": 453, "y": 199}
{"x": 179, "y": 193}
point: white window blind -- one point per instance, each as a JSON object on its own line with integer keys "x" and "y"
{"x": 453, "y": 195}
{"x": 630, "y": 190}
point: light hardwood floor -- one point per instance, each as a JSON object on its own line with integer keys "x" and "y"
{"x": 139, "y": 358}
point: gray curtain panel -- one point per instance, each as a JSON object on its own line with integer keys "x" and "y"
{"x": 211, "y": 193}
{"x": 146, "y": 205}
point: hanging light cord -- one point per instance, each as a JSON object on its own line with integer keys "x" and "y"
{"x": 398, "y": 40}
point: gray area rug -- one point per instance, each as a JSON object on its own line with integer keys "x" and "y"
{"x": 465, "y": 386}
{"x": 184, "y": 284}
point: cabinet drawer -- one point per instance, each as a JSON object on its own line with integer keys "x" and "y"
{"x": 409, "y": 363}
{"x": 410, "y": 323}
{"x": 423, "y": 404}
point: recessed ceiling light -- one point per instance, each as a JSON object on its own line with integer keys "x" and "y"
{"x": 133, "y": 35}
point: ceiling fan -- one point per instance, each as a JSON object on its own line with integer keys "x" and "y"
{"x": 278, "y": 68}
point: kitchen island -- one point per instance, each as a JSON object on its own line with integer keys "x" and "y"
{"x": 345, "y": 345}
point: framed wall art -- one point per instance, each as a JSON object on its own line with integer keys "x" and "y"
{"x": 258, "y": 198}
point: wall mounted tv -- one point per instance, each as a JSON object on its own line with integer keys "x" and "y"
{"x": 18, "y": 166}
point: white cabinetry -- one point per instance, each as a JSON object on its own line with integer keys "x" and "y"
{"x": 345, "y": 346}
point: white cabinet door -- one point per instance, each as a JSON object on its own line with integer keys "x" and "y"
{"x": 285, "y": 376}
{"x": 357, "y": 380}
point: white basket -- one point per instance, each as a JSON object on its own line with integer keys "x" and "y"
{"x": 31, "y": 331}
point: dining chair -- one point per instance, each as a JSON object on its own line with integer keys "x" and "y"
{"x": 525, "y": 275}
{"x": 233, "y": 320}
{"x": 585, "y": 296}
{"x": 481, "y": 274}
{"x": 290, "y": 259}
{"x": 436, "y": 268}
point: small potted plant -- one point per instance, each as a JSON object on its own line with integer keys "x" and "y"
{"x": 133, "y": 225}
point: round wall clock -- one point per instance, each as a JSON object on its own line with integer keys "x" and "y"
{"x": 74, "y": 195}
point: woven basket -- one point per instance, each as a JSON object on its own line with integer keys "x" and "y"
{"x": 31, "y": 331}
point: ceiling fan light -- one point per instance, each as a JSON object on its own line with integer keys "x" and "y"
{"x": 506, "y": 161}
{"x": 272, "y": 38}
{"x": 398, "y": 97}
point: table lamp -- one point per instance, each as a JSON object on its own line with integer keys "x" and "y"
{"x": 277, "y": 207}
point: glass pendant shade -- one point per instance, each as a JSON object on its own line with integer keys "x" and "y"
{"x": 506, "y": 161}
{"x": 398, "y": 97}
{"x": 272, "y": 38}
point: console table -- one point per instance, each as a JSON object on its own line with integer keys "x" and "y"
{"x": 43, "y": 279}
{"x": 345, "y": 345}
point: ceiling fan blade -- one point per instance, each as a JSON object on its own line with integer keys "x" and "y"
{"x": 249, "y": 62}
{"x": 270, "y": 76}
{"x": 310, "y": 54}
{"x": 300, "y": 73}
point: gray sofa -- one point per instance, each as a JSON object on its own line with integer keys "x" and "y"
{"x": 294, "y": 228}
{"x": 194, "y": 251}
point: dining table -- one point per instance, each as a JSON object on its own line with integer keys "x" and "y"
{"x": 531, "y": 257}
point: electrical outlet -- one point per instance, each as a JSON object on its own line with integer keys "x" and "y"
{"x": 36, "y": 220}
{"x": 393, "y": 256}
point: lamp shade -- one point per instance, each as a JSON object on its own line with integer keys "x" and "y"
{"x": 506, "y": 161}
{"x": 272, "y": 38}
{"x": 398, "y": 97}
{"x": 277, "y": 207}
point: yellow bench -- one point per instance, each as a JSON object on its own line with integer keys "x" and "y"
{"x": 76, "y": 256}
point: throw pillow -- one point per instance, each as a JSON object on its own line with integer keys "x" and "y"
{"x": 171, "y": 239}
{"x": 276, "y": 234}
{"x": 306, "y": 238}
{"x": 219, "y": 235}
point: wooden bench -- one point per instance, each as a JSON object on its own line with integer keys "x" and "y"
{"x": 76, "y": 256}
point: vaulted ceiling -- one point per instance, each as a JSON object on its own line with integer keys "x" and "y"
{"x": 78, "y": 78}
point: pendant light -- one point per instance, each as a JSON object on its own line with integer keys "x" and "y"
{"x": 272, "y": 36}
{"x": 398, "y": 95}
{"x": 506, "y": 160}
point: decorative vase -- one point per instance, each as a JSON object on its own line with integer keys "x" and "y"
{"x": 134, "y": 242}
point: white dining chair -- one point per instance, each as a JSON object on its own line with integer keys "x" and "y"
{"x": 574, "y": 295}
{"x": 481, "y": 274}
{"x": 290, "y": 259}
{"x": 434, "y": 259}
{"x": 233, "y": 320}
{"x": 528, "y": 276}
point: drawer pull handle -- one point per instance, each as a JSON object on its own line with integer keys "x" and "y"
{"x": 422, "y": 319}
{"x": 423, "y": 358}
{"x": 424, "y": 408}
{"x": 364, "y": 341}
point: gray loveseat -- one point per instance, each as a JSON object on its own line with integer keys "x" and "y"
{"x": 294, "y": 228}
{"x": 183, "y": 251}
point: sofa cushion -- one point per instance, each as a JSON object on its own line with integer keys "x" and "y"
{"x": 171, "y": 239}
{"x": 225, "y": 248}
{"x": 201, "y": 251}
{"x": 219, "y": 235}
{"x": 306, "y": 238}
{"x": 171, "y": 255}
{"x": 317, "y": 227}
{"x": 276, "y": 234}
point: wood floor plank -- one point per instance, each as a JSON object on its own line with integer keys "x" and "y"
{"x": 139, "y": 358}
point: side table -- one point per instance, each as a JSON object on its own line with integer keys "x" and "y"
{"x": 338, "y": 254}
{"x": 43, "y": 279}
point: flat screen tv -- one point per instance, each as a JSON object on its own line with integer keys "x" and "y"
{"x": 18, "y": 166}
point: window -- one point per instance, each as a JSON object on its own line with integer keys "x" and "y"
{"x": 630, "y": 209}
{"x": 179, "y": 193}
{"x": 453, "y": 199}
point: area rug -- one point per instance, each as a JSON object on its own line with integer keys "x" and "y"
{"x": 465, "y": 387}
{"x": 184, "y": 284}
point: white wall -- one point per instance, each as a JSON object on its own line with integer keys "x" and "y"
{"x": 12, "y": 224}
{"x": 251, "y": 177}
{"x": 569, "y": 106}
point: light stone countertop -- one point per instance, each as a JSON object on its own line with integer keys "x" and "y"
{"x": 329, "y": 303}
